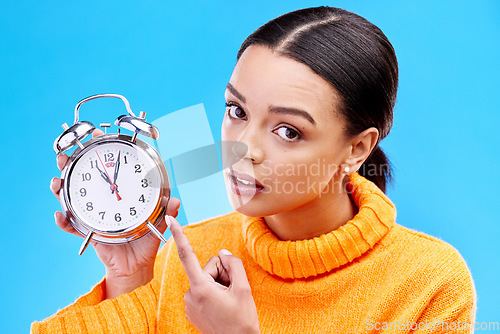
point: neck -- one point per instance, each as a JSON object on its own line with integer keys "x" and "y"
{"x": 322, "y": 215}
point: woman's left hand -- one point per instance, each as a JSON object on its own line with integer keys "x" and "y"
{"x": 219, "y": 299}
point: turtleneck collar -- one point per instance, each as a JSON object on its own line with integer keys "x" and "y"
{"x": 311, "y": 257}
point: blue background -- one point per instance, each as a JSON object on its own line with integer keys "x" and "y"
{"x": 165, "y": 56}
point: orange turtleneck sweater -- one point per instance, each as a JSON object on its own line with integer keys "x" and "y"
{"x": 370, "y": 275}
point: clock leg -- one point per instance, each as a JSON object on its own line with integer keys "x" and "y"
{"x": 153, "y": 229}
{"x": 156, "y": 232}
{"x": 85, "y": 243}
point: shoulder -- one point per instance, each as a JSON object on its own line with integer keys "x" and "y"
{"x": 219, "y": 222}
{"x": 423, "y": 254}
{"x": 223, "y": 230}
{"x": 211, "y": 235}
{"x": 430, "y": 247}
{"x": 437, "y": 270}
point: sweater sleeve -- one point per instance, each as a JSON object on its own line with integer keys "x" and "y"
{"x": 133, "y": 312}
{"x": 452, "y": 308}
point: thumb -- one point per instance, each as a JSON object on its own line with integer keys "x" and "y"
{"x": 235, "y": 271}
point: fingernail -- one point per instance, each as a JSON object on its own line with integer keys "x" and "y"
{"x": 168, "y": 221}
{"x": 55, "y": 215}
{"x": 225, "y": 252}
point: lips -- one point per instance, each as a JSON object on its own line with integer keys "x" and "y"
{"x": 243, "y": 184}
{"x": 250, "y": 181}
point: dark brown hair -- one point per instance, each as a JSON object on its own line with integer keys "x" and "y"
{"x": 355, "y": 57}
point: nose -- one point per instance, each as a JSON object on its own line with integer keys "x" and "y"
{"x": 249, "y": 145}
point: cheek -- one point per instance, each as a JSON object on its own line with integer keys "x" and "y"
{"x": 231, "y": 149}
{"x": 298, "y": 174}
{"x": 230, "y": 130}
{"x": 223, "y": 129}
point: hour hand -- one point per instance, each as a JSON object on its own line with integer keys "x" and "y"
{"x": 104, "y": 175}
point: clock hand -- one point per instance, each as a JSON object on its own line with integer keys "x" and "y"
{"x": 104, "y": 176}
{"x": 117, "y": 167}
{"x": 113, "y": 186}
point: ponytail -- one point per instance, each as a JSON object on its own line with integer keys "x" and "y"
{"x": 377, "y": 168}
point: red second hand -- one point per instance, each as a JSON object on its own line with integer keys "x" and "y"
{"x": 113, "y": 186}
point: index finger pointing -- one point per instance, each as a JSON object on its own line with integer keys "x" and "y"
{"x": 186, "y": 252}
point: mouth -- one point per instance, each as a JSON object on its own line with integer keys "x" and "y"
{"x": 243, "y": 184}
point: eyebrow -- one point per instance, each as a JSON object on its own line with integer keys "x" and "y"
{"x": 275, "y": 109}
{"x": 233, "y": 91}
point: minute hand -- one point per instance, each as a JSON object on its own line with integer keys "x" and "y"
{"x": 117, "y": 167}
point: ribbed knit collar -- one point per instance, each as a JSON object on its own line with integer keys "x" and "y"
{"x": 311, "y": 257}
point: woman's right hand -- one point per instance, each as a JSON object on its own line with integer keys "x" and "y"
{"x": 129, "y": 265}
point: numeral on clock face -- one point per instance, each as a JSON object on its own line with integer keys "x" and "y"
{"x": 108, "y": 157}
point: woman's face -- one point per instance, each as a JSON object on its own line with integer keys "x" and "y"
{"x": 285, "y": 117}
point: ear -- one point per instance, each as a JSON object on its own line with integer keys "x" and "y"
{"x": 361, "y": 146}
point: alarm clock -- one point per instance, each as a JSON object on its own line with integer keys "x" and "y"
{"x": 115, "y": 186}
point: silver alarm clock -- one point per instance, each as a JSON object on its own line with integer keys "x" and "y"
{"x": 114, "y": 187}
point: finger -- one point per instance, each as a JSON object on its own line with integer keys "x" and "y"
{"x": 173, "y": 207}
{"x": 213, "y": 266}
{"x": 62, "y": 159}
{"x": 55, "y": 186}
{"x": 235, "y": 271}
{"x": 64, "y": 224}
{"x": 215, "y": 269}
{"x": 97, "y": 132}
{"x": 185, "y": 251}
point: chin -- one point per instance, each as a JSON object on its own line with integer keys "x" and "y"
{"x": 258, "y": 206}
{"x": 249, "y": 206}
{"x": 245, "y": 205}
{"x": 250, "y": 212}
{"x": 262, "y": 204}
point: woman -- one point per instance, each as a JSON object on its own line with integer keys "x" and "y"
{"x": 313, "y": 245}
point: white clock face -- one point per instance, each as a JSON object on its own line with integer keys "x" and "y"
{"x": 114, "y": 186}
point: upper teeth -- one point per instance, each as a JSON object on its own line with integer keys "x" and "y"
{"x": 243, "y": 181}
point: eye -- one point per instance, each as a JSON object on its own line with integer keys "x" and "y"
{"x": 235, "y": 111}
{"x": 288, "y": 134}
